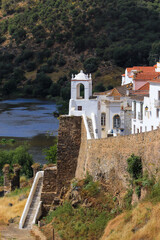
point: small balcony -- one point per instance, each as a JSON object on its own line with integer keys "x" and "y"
{"x": 157, "y": 103}
{"x": 140, "y": 116}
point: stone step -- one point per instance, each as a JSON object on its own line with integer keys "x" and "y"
{"x": 34, "y": 204}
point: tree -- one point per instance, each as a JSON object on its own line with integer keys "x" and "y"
{"x": 51, "y": 154}
{"x": 99, "y": 88}
{"x": 91, "y": 65}
{"x": 9, "y": 87}
{"x": 20, "y": 156}
{"x": 55, "y": 89}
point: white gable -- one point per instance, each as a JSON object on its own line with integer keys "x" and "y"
{"x": 81, "y": 76}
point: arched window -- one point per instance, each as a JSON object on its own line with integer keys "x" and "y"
{"x": 116, "y": 121}
{"x": 103, "y": 119}
{"x": 80, "y": 91}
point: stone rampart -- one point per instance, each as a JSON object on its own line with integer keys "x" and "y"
{"x": 106, "y": 158}
{"x": 11, "y": 180}
{"x": 69, "y": 140}
{"x": 49, "y": 190}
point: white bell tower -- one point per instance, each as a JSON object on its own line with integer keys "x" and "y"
{"x": 83, "y": 104}
{"x": 81, "y": 80}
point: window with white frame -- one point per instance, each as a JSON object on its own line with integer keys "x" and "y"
{"x": 103, "y": 119}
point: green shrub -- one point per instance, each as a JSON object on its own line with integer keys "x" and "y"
{"x": 51, "y": 154}
{"x": 61, "y": 62}
{"x": 134, "y": 166}
{"x": 55, "y": 90}
{"x": 30, "y": 66}
{"x": 18, "y": 156}
{"x": 77, "y": 224}
{"x": 18, "y": 191}
{"x": 99, "y": 88}
{"x": 128, "y": 199}
{"x": 2, "y": 39}
{"x": 91, "y": 65}
{"x": 46, "y": 69}
{"x": 92, "y": 189}
{"x": 49, "y": 42}
{"x": 154, "y": 194}
{"x": 88, "y": 179}
{"x": 9, "y": 87}
{"x": 138, "y": 191}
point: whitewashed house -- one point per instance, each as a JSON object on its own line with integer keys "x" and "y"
{"x": 104, "y": 114}
{"x": 145, "y": 97}
{"x": 146, "y": 111}
{"x": 115, "y": 111}
{"x": 139, "y": 75}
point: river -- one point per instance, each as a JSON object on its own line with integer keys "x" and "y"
{"x": 31, "y": 121}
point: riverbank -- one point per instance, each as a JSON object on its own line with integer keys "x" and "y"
{"x": 29, "y": 121}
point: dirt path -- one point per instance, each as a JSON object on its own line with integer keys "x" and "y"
{"x": 12, "y": 232}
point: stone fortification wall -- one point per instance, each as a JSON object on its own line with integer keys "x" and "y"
{"x": 49, "y": 190}
{"x": 69, "y": 140}
{"x": 106, "y": 158}
{"x": 57, "y": 177}
{"x": 11, "y": 180}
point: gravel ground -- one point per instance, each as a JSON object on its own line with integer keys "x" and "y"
{"x": 12, "y": 232}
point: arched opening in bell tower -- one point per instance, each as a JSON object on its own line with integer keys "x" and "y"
{"x": 80, "y": 91}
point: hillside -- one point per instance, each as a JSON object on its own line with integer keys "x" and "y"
{"x": 140, "y": 223}
{"x": 46, "y": 41}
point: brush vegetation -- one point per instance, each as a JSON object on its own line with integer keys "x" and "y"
{"x": 86, "y": 220}
{"x": 18, "y": 156}
{"x": 43, "y": 42}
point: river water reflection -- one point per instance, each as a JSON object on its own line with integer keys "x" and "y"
{"x": 29, "y": 120}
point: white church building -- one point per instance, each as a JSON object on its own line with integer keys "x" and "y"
{"x": 102, "y": 113}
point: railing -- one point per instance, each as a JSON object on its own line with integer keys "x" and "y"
{"x": 140, "y": 116}
{"x": 30, "y": 197}
{"x": 157, "y": 103}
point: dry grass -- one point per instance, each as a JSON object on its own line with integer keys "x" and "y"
{"x": 31, "y": 75}
{"x": 7, "y": 212}
{"x": 141, "y": 223}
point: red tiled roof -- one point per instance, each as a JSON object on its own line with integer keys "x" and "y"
{"x": 155, "y": 80}
{"x": 145, "y": 87}
{"x": 145, "y": 76}
{"x": 142, "y": 68}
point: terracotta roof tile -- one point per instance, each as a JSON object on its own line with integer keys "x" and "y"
{"x": 145, "y": 87}
{"x": 117, "y": 91}
{"x": 145, "y": 76}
